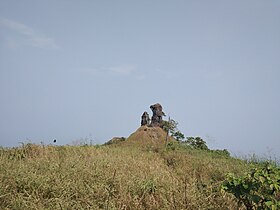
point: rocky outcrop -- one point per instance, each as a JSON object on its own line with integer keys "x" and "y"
{"x": 156, "y": 118}
{"x": 157, "y": 115}
{"x": 145, "y": 119}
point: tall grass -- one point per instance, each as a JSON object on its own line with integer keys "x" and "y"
{"x": 113, "y": 177}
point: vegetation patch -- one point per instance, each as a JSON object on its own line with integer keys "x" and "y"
{"x": 154, "y": 168}
{"x": 258, "y": 189}
{"x": 114, "y": 177}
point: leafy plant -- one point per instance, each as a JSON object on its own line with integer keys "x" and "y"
{"x": 171, "y": 126}
{"x": 197, "y": 143}
{"x": 171, "y": 146}
{"x": 224, "y": 152}
{"x": 178, "y": 135}
{"x": 258, "y": 189}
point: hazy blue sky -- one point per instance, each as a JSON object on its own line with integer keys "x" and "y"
{"x": 76, "y": 69}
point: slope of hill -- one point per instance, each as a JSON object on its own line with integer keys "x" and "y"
{"x": 122, "y": 176}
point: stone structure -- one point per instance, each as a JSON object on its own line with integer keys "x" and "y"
{"x": 145, "y": 119}
{"x": 156, "y": 118}
{"x": 157, "y": 115}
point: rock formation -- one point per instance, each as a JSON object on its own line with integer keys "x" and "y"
{"x": 157, "y": 115}
{"x": 156, "y": 118}
{"x": 145, "y": 119}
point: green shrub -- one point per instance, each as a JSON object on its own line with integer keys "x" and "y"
{"x": 178, "y": 135}
{"x": 259, "y": 189}
{"x": 171, "y": 146}
{"x": 224, "y": 152}
{"x": 197, "y": 143}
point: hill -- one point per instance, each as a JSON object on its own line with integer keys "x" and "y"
{"x": 143, "y": 171}
{"x": 121, "y": 176}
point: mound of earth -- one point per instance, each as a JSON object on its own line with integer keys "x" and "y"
{"x": 148, "y": 136}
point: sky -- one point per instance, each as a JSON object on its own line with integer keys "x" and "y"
{"x": 79, "y": 70}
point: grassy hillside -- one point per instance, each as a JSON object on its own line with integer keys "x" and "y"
{"x": 128, "y": 175}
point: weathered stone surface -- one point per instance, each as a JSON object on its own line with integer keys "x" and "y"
{"x": 145, "y": 119}
{"x": 157, "y": 115}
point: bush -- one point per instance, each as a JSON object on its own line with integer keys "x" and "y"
{"x": 171, "y": 126}
{"x": 197, "y": 143}
{"x": 224, "y": 152}
{"x": 171, "y": 146}
{"x": 178, "y": 136}
{"x": 259, "y": 189}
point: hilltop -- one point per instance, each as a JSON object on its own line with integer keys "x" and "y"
{"x": 146, "y": 136}
{"x": 118, "y": 176}
{"x": 114, "y": 177}
{"x": 147, "y": 170}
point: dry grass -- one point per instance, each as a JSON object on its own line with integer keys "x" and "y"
{"x": 113, "y": 177}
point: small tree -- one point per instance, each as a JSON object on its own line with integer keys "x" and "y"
{"x": 169, "y": 126}
{"x": 178, "y": 135}
{"x": 197, "y": 143}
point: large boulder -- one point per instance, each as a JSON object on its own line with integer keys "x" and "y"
{"x": 157, "y": 115}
